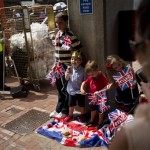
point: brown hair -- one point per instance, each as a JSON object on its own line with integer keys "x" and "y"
{"x": 62, "y": 15}
{"x": 90, "y": 66}
{"x": 110, "y": 60}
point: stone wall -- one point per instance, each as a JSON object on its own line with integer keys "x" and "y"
{"x": 98, "y": 32}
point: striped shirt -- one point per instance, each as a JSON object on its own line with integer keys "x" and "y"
{"x": 65, "y": 43}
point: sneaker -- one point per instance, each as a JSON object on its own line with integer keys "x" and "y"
{"x": 82, "y": 119}
{"x": 53, "y": 114}
{"x": 60, "y": 115}
{"x": 89, "y": 124}
{"x": 68, "y": 118}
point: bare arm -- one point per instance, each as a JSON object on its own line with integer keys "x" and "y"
{"x": 120, "y": 141}
{"x": 83, "y": 88}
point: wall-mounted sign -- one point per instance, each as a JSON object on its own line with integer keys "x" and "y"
{"x": 86, "y": 6}
{"x": 26, "y": 3}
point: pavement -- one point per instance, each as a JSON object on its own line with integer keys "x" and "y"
{"x": 44, "y": 100}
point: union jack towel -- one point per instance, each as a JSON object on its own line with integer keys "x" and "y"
{"x": 124, "y": 78}
{"x": 91, "y": 136}
{"x": 100, "y": 100}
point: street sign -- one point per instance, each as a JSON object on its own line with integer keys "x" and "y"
{"x": 86, "y": 6}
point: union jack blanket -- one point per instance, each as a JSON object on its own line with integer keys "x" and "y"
{"x": 77, "y": 134}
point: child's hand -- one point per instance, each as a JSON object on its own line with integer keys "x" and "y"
{"x": 53, "y": 67}
{"x": 134, "y": 84}
{"x": 143, "y": 99}
{"x": 146, "y": 89}
{"x": 109, "y": 86}
{"x": 82, "y": 92}
{"x": 96, "y": 96}
{"x": 68, "y": 73}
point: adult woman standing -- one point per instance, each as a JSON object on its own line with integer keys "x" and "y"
{"x": 135, "y": 136}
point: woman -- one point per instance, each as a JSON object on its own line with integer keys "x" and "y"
{"x": 135, "y": 136}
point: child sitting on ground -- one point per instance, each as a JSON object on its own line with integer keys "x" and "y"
{"x": 95, "y": 82}
{"x": 75, "y": 75}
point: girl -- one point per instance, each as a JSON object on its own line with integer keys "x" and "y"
{"x": 126, "y": 90}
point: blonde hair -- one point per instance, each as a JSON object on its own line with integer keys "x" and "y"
{"x": 90, "y": 66}
{"x": 110, "y": 60}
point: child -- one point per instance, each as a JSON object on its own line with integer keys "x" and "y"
{"x": 65, "y": 42}
{"x": 128, "y": 93}
{"x": 75, "y": 76}
{"x": 95, "y": 82}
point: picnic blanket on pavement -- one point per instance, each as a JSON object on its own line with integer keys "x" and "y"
{"x": 75, "y": 133}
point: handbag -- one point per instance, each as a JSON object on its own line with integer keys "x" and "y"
{"x": 19, "y": 92}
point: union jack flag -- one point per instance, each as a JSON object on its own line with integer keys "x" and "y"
{"x": 51, "y": 76}
{"x": 67, "y": 41}
{"x": 116, "y": 117}
{"x": 59, "y": 70}
{"x": 124, "y": 78}
{"x": 102, "y": 101}
{"x": 91, "y": 97}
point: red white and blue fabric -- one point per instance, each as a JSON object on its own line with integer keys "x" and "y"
{"x": 117, "y": 118}
{"x": 92, "y": 136}
{"x": 124, "y": 78}
{"x": 58, "y": 73}
{"x": 100, "y": 100}
{"x": 52, "y": 78}
{"x": 92, "y": 99}
{"x": 59, "y": 70}
{"x": 67, "y": 41}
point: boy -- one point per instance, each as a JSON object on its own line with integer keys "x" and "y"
{"x": 65, "y": 43}
{"x": 75, "y": 75}
{"x": 95, "y": 82}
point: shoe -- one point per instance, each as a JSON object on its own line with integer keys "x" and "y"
{"x": 99, "y": 126}
{"x": 6, "y": 88}
{"x": 68, "y": 118}
{"x": 53, "y": 114}
{"x": 89, "y": 124}
{"x": 82, "y": 119}
{"x": 63, "y": 115}
{"x": 60, "y": 115}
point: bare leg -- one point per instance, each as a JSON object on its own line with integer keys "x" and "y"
{"x": 82, "y": 110}
{"x": 93, "y": 113}
{"x": 71, "y": 110}
{"x": 101, "y": 117}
